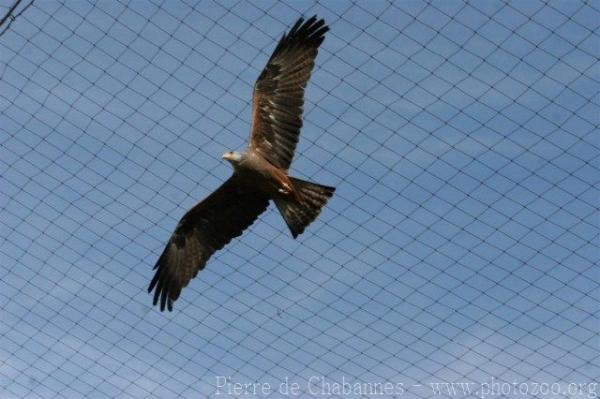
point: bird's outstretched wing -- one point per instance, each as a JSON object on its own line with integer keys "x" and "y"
{"x": 278, "y": 97}
{"x": 204, "y": 229}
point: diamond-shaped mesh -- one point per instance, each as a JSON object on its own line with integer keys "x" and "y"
{"x": 460, "y": 249}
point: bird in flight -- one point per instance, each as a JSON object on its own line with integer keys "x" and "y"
{"x": 260, "y": 174}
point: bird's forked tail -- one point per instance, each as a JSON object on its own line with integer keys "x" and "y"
{"x": 301, "y": 210}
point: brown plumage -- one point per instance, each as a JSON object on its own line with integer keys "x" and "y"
{"x": 278, "y": 97}
{"x": 204, "y": 229}
{"x": 260, "y": 173}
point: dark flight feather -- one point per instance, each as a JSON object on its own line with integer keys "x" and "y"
{"x": 278, "y": 98}
{"x": 204, "y": 229}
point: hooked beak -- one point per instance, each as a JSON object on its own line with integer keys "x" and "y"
{"x": 227, "y": 156}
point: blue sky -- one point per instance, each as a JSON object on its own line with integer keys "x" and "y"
{"x": 461, "y": 243}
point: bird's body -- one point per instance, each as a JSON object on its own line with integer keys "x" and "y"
{"x": 267, "y": 178}
{"x": 260, "y": 174}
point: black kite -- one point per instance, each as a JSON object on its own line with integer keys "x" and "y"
{"x": 260, "y": 173}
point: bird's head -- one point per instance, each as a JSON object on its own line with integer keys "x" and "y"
{"x": 233, "y": 156}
